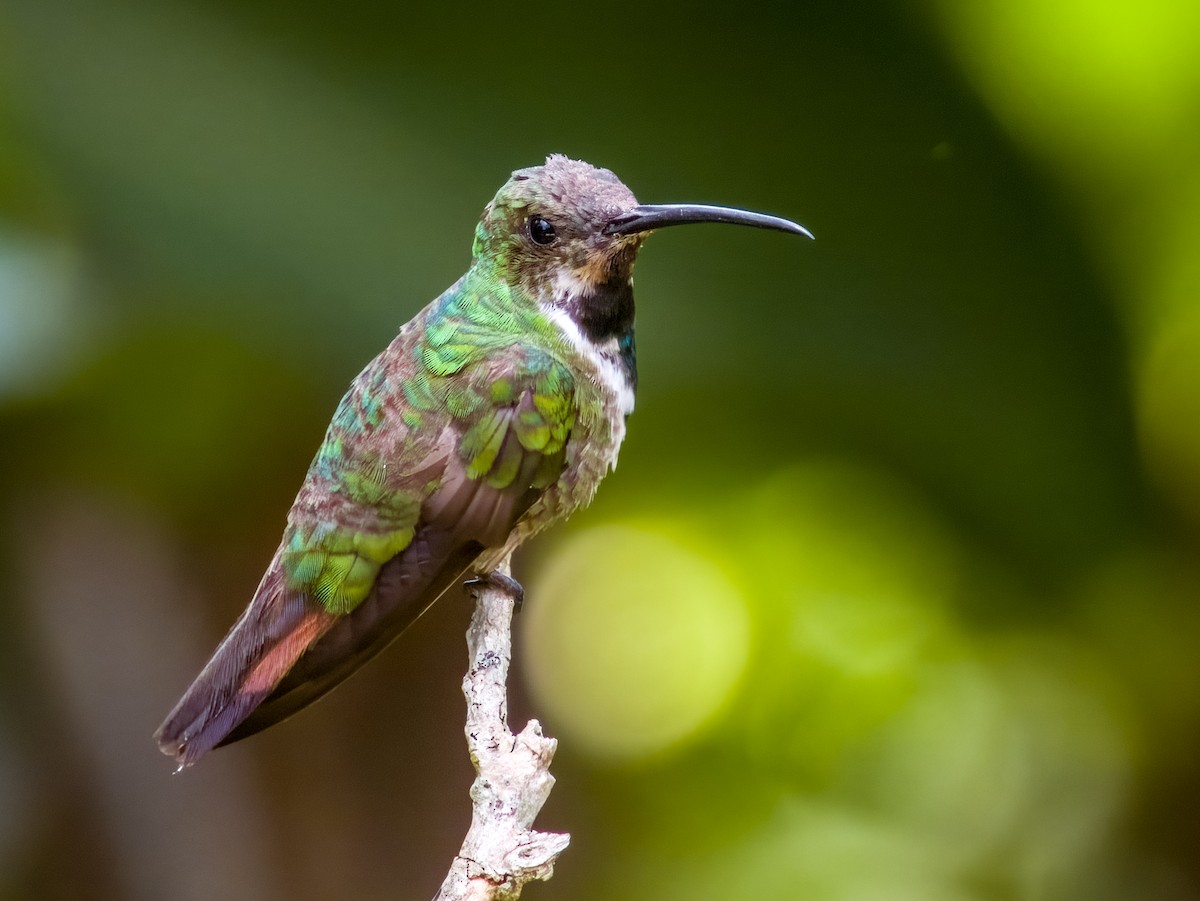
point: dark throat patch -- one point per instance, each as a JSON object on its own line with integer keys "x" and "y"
{"x": 606, "y": 314}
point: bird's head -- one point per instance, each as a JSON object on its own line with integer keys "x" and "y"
{"x": 566, "y": 230}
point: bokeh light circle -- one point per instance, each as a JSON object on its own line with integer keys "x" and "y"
{"x": 634, "y": 640}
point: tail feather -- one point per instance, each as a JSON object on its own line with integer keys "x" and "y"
{"x": 407, "y": 585}
{"x": 266, "y": 641}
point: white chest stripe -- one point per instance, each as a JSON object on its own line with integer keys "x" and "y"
{"x": 605, "y": 363}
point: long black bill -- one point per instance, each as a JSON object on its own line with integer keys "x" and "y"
{"x": 660, "y": 215}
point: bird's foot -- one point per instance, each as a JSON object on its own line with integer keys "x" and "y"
{"x": 501, "y": 582}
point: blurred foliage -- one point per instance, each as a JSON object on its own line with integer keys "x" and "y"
{"x": 894, "y": 594}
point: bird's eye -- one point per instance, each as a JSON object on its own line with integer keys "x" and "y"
{"x": 541, "y": 231}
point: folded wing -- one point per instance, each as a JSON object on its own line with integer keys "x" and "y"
{"x": 392, "y": 513}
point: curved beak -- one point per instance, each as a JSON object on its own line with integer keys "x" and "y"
{"x": 647, "y": 217}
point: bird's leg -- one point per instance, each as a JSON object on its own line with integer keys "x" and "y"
{"x": 500, "y": 581}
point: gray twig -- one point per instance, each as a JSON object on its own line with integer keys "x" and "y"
{"x": 501, "y": 852}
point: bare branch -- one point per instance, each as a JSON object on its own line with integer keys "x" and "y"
{"x": 501, "y": 852}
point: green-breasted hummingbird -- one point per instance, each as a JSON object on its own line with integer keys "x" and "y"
{"x": 494, "y": 413}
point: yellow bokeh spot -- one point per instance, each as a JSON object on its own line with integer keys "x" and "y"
{"x": 635, "y": 639}
{"x": 1100, "y": 79}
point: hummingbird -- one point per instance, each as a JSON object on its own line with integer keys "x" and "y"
{"x": 494, "y": 413}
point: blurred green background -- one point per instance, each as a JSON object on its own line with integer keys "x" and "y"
{"x": 894, "y": 595}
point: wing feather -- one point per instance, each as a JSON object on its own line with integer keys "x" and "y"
{"x": 388, "y": 518}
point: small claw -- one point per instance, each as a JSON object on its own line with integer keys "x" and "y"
{"x": 501, "y": 582}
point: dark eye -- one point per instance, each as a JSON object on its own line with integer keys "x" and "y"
{"x": 541, "y": 231}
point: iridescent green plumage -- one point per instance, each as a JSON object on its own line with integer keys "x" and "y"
{"x": 484, "y": 365}
{"x": 496, "y": 411}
